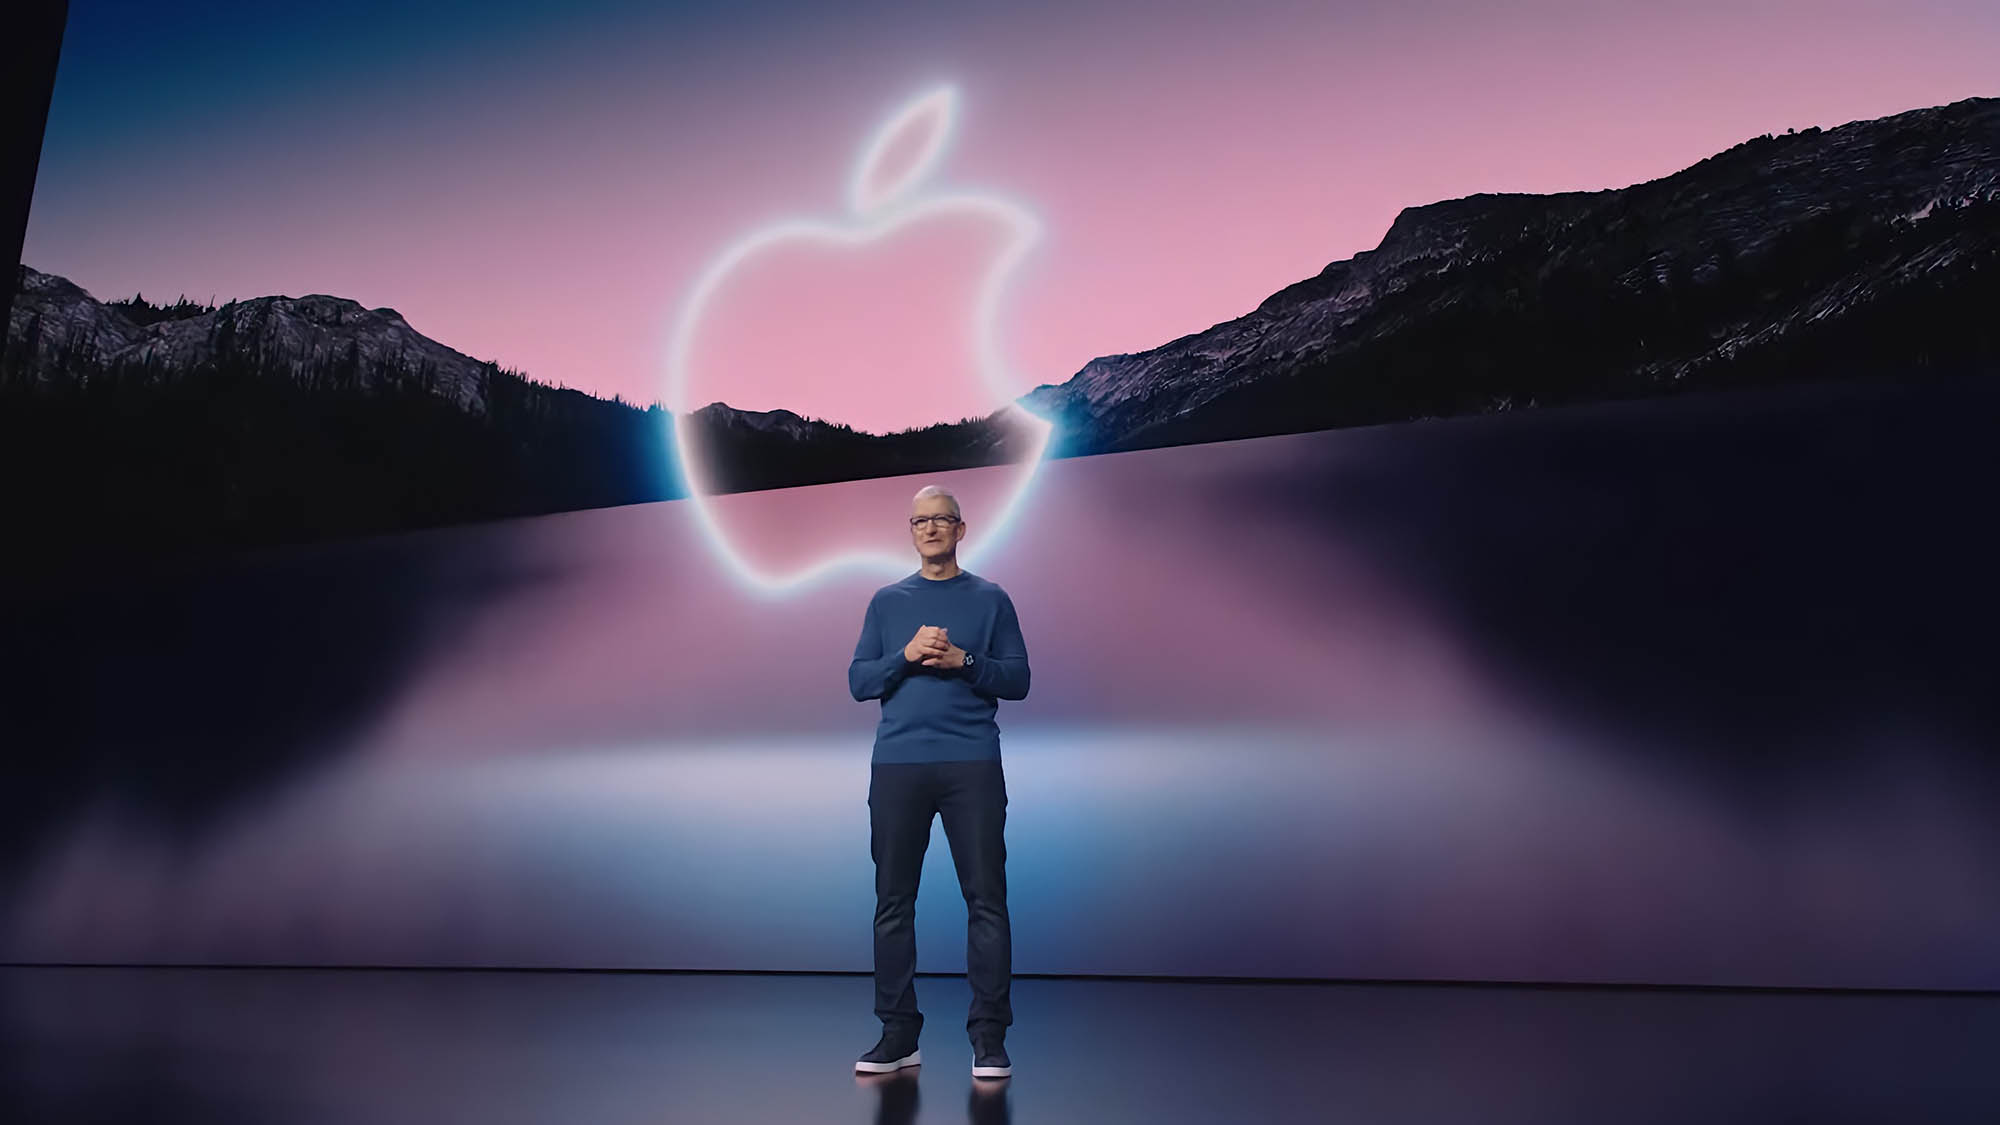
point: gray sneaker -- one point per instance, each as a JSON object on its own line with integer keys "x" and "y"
{"x": 894, "y": 1051}
{"x": 989, "y": 1058}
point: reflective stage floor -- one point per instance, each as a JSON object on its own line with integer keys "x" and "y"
{"x": 391, "y": 1046}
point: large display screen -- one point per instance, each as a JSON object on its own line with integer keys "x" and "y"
{"x": 1488, "y": 495}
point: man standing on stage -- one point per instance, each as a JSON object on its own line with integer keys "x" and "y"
{"x": 940, "y": 649}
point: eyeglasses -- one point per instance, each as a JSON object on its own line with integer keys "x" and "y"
{"x": 917, "y": 523}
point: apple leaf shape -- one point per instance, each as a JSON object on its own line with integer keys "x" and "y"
{"x": 924, "y": 124}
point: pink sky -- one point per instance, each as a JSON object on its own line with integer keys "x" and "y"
{"x": 551, "y": 211}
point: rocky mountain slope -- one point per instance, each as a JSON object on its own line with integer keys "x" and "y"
{"x": 1747, "y": 267}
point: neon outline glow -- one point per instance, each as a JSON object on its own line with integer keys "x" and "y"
{"x": 875, "y": 214}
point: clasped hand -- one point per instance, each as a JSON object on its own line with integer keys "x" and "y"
{"x": 933, "y": 648}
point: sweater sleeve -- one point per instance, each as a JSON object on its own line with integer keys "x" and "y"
{"x": 1001, "y": 672}
{"x": 873, "y": 674}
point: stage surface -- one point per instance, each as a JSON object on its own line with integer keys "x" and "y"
{"x": 309, "y": 1046}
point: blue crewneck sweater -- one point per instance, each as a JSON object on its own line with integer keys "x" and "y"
{"x": 939, "y": 714}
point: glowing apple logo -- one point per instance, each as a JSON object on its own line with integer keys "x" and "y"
{"x": 933, "y": 352}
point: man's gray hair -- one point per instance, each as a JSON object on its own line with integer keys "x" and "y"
{"x": 930, "y": 490}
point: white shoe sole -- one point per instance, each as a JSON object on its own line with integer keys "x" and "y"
{"x": 914, "y": 1058}
{"x": 992, "y": 1071}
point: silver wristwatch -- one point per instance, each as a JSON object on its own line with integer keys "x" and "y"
{"x": 969, "y": 658}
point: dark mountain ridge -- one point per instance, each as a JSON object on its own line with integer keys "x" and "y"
{"x": 1809, "y": 255}
{"x": 1869, "y": 250}
{"x": 292, "y": 419}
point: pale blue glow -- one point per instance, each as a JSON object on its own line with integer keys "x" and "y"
{"x": 876, "y": 216}
{"x": 941, "y": 104}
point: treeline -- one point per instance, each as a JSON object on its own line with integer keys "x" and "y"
{"x": 113, "y": 459}
{"x": 739, "y": 458}
{"x": 125, "y": 458}
{"x": 139, "y": 311}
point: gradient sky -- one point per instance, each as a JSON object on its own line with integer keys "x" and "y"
{"x": 541, "y": 185}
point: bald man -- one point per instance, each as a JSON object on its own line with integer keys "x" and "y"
{"x": 940, "y": 648}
